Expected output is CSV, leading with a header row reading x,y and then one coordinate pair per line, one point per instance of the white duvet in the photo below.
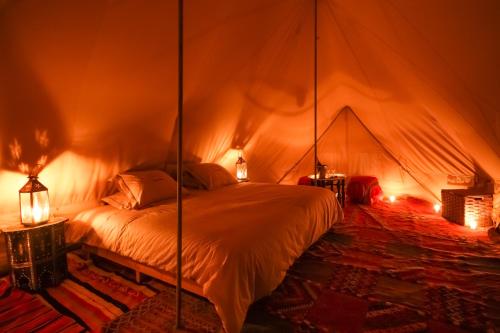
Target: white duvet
x,y
238,241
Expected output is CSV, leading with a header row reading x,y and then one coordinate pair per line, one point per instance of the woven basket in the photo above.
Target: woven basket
x,y
467,207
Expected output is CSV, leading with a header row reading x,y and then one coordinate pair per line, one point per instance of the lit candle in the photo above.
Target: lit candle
x,y
241,167
37,212
437,207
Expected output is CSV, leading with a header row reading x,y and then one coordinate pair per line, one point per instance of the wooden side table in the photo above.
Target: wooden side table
x,y
338,181
37,255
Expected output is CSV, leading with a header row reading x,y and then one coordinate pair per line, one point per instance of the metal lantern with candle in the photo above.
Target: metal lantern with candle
x,y
34,201
241,167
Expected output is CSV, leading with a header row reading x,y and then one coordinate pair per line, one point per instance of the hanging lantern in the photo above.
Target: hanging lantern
x,y
34,202
241,167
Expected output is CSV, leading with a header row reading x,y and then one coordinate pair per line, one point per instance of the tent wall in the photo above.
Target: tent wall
x,y
348,146
90,86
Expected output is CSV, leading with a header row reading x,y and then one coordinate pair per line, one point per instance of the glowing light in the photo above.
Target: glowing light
x,y
437,207
34,202
241,167
471,222
392,198
37,212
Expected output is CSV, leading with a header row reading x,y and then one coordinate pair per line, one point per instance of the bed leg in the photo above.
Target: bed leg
x,y
137,276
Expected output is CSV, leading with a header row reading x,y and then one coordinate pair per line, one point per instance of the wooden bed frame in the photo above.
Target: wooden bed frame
x,y
140,269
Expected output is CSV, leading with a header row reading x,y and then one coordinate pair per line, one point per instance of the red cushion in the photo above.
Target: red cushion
x,y
376,193
305,180
367,180
363,189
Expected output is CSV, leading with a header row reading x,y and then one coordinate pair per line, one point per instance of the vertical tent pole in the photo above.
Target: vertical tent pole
x,y
178,317
315,88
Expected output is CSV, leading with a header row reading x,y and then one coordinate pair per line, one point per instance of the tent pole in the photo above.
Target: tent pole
x,y
315,89
180,104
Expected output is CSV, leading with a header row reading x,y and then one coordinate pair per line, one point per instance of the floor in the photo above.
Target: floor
x,y
387,268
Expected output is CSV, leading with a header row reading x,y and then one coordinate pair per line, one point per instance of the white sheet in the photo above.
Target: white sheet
x,y
238,241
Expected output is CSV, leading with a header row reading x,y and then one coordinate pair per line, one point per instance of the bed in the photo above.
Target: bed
x,y
238,241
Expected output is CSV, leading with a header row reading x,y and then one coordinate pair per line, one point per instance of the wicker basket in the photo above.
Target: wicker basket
x,y
467,207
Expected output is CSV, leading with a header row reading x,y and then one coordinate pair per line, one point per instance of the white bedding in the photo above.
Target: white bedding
x,y
238,241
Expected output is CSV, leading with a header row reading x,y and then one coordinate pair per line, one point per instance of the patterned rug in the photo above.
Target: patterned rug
x,y
99,297
386,268
389,268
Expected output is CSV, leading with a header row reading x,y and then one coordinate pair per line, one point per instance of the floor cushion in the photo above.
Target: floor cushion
x,y
305,180
363,189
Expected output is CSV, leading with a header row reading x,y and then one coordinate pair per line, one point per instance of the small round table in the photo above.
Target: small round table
x,y
335,180
37,255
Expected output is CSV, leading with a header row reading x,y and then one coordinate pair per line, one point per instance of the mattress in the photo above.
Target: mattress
x,y
238,241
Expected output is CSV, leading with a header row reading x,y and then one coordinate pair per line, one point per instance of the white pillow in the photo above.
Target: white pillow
x,y
119,200
208,176
187,179
147,187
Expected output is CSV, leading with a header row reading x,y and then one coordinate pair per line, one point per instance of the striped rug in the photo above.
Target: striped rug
x,y
87,300
22,312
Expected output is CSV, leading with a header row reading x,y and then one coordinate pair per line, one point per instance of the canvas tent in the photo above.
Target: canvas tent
x,y
89,88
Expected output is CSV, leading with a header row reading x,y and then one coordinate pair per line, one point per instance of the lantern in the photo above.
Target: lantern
x,y
241,167
34,202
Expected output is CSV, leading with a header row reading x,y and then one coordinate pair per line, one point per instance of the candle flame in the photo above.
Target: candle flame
x,y
37,212
437,207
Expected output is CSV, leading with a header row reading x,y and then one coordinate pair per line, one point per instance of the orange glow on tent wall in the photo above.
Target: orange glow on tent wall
x,y
34,202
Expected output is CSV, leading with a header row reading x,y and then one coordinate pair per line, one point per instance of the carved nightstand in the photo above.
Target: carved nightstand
x,y
37,255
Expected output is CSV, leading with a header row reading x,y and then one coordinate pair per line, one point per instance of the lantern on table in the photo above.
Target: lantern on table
x,y
34,202
241,167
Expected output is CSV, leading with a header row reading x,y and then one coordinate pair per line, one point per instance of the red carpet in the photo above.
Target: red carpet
x,y
388,268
